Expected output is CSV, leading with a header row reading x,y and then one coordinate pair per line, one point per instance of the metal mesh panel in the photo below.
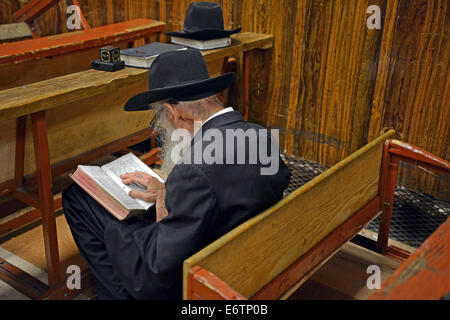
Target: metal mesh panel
x,y
415,215
302,171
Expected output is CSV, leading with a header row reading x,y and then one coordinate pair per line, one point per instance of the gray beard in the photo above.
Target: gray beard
x,y
165,129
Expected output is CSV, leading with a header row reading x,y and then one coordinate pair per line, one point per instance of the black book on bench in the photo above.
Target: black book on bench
x,y
143,56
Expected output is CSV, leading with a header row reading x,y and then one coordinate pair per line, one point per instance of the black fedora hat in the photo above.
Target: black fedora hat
x,y
203,21
180,75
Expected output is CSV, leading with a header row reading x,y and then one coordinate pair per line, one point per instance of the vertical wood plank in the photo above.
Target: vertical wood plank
x,y
412,91
336,80
294,117
270,71
384,66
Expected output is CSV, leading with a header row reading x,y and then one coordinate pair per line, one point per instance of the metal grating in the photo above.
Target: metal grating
x,y
415,215
302,171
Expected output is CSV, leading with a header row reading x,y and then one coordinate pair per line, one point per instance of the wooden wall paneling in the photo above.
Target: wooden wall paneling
x,y
413,96
162,9
175,11
383,70
228,10
109,11
294,117
95,12
119,10
337,78
270,70
54,20
7,9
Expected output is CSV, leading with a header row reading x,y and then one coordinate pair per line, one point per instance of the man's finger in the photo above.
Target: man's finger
x,y
126,175
137,176
132,177
144,176
139,195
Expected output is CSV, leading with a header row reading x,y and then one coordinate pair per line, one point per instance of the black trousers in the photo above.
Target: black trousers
x,y
87,220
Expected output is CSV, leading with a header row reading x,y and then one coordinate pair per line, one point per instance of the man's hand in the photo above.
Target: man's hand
x,y
152,185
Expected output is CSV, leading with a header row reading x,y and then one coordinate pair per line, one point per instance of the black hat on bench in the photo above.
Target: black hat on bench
x,y
180,75
203,21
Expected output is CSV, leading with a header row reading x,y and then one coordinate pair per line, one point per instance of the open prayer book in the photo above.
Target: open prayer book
x,y
106,187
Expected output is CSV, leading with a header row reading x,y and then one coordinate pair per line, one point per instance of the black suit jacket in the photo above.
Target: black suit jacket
x,y
203,202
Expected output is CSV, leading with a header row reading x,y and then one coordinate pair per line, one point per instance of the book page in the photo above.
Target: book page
x,y
130,163
109,185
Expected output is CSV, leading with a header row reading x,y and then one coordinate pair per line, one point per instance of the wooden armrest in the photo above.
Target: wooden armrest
x,y
204,285
151,157
33,9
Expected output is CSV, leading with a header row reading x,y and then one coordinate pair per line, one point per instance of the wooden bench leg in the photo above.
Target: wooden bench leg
x,y
20,150
44,178
246,67
387,203
228,65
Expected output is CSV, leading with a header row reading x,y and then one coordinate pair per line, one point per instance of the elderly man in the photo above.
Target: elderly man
x,y
207,193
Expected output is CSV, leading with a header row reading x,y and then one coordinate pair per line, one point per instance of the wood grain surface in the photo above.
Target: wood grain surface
x,y
329,84
262,247
85,109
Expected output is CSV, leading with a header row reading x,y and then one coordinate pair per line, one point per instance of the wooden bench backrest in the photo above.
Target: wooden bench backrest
x,y
254,253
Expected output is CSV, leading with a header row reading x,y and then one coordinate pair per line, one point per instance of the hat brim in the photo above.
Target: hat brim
x,y
206,34
185,92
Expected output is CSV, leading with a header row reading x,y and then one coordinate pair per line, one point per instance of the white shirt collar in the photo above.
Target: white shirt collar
x,y
229,109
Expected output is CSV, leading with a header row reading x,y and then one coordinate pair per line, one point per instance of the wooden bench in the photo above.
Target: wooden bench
x,y
426,273
271,255
34,60
75,119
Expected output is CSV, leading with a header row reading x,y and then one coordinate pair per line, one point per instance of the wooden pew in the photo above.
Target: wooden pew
x,y
426,273
34,60
74,119
271,255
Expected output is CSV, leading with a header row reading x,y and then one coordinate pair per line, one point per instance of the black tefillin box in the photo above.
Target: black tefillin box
x,y
109,60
